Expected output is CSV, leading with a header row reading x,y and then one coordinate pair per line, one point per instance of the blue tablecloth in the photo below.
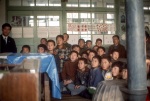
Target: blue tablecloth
x,y
47,64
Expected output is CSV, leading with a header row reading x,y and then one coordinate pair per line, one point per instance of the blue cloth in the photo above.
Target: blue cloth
x,y
95,76
47,64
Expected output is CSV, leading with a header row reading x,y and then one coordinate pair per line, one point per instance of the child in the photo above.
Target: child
x,y
84,55
61,50
106,70
117,69
81,43
43,41
101,51
76,48
92,53
70,68
42,48
82,76
124,73
115,55
95,48
98,42
89,44
66,38
51,47
25,49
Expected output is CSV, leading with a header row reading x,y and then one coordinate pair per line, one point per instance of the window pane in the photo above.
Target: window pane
x,y
28,2
72,3
54,2
103,3
14,2
16,20
84,3
41,2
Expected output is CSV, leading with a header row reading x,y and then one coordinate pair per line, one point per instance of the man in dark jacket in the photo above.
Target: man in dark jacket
x,y
7,44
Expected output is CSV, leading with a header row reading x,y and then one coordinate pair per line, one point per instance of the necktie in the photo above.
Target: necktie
x,y
5,40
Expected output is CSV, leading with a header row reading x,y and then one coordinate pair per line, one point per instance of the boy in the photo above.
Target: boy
x,y
25,49
101,51
42,48
106,70
98,42
115,55
61,50
125,72
70,68
43,41
88,44
81,43
92,53
66,38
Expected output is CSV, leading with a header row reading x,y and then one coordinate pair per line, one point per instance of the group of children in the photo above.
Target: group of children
x,y
81,66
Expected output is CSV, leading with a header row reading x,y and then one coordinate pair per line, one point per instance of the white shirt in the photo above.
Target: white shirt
x,y
5,38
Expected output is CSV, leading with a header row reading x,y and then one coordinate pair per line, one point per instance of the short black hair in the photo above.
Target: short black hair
x,y
66,34
51,41
106,57
44,39
60,36
114,50
116,36
75,46
97,57
118,64
98,40
85,52
88,41
101,48
83,59
43,46
81,40
26,46
146,35
74,52
6,25
93,51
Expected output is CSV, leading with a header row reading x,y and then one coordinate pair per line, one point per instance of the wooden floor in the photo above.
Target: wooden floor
x,y
71,98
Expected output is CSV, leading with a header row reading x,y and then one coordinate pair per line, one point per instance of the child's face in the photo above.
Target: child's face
x,y
89,44
105,64
95,48
81,44
77,49
65,38
124,74
50,46
43,41
95,63
73,57
115,71
25,50
60,41
81,65
91,55
115,55
41,50
84,56
115,40
100,52
99,43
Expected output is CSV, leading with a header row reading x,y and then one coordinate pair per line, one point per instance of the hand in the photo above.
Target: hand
x,y
76,87
69,81
65,82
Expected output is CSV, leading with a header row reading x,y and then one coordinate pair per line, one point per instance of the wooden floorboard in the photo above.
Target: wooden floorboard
x,y
71,98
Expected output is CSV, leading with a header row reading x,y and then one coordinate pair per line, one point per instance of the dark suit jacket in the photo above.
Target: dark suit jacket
x,y
9,47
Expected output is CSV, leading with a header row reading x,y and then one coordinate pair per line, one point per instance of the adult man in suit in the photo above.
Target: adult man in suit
x,y
7,44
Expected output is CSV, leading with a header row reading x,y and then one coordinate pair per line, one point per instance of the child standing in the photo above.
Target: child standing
x,y
81,43
81,81
69,70
89,44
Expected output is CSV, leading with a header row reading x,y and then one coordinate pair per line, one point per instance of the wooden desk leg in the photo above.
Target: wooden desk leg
x,y
46,88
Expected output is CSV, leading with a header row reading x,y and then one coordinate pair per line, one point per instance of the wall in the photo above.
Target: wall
x,y
2,12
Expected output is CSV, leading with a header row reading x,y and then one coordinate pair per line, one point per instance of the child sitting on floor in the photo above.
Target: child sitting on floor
x,y
81,81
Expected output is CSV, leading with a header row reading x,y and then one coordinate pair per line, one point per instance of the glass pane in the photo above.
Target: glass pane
x,y
41,2
54,2
14,2
16,20
53,21
86,37
28,2
72,3
28,21
103,3
84,3
41,21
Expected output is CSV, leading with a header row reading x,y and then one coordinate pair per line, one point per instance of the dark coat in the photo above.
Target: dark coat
x,y
82,77
9,47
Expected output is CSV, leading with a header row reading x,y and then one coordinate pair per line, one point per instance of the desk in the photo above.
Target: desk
x,y
47,65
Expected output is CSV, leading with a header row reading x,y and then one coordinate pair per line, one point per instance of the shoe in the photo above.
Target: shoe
x,y
65,92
